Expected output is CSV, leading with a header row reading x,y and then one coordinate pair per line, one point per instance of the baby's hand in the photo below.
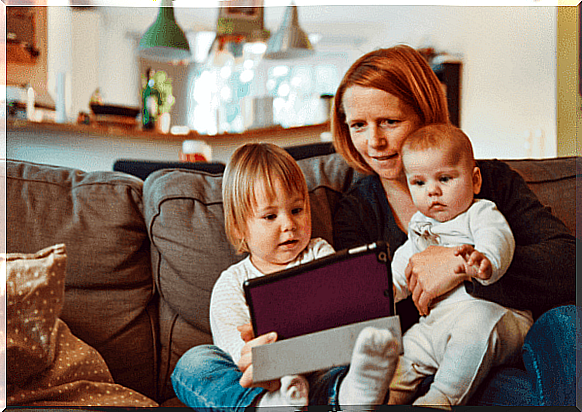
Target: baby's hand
x,y
477,263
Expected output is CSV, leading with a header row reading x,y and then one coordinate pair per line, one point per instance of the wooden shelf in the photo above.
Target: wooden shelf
x,y
121,131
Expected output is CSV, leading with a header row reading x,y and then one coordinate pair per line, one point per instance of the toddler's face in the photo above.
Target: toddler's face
x,y
440,187
279,229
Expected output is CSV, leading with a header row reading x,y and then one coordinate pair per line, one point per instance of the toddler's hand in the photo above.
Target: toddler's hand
x,y
246,332
245,363
477,263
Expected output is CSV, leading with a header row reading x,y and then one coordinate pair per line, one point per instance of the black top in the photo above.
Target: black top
x,y
542,274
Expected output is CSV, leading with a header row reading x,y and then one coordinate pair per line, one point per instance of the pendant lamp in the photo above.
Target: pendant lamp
x,y
290,41
164,40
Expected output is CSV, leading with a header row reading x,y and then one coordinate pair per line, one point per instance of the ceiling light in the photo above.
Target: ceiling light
x,y
164,40
290,41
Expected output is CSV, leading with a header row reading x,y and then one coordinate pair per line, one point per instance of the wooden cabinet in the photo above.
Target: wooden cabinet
x,y
449,73
21,29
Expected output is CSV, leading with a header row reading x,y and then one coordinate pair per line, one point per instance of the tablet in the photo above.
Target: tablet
x,y
349,286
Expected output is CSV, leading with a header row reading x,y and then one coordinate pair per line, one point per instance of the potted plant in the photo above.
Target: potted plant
x,y
157,100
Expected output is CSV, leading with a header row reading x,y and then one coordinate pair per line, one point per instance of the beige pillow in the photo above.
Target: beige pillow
x,y
46,364
35,290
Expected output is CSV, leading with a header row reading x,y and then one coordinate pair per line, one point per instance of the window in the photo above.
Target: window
x,y
233,88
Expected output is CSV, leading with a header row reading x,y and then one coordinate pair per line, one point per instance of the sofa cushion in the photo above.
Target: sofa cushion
x,y
98,216
184,217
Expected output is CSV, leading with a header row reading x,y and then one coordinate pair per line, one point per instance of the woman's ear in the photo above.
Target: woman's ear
x,y
477,180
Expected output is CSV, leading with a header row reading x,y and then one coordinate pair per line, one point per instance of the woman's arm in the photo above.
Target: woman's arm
x,y
542,274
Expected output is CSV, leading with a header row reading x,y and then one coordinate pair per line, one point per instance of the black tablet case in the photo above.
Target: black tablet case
x,y
353,285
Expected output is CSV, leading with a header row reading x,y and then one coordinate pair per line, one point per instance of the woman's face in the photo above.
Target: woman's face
x,y
379,122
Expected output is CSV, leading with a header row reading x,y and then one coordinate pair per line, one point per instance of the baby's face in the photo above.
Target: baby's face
x,y
440,187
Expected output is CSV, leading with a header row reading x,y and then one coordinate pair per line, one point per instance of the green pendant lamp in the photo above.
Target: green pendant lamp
x,y
290,41
164,40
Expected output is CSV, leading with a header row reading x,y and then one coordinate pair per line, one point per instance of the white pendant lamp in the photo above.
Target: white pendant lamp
x,y
290,41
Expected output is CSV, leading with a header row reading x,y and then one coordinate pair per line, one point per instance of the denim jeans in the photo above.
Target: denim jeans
x,y
548,374
549,355
206,378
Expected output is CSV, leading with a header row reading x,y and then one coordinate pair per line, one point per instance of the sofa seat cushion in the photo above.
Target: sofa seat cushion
x,y
108,287
185,220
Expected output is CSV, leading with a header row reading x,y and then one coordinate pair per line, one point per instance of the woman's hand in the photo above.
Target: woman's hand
x,y
245,363
432,273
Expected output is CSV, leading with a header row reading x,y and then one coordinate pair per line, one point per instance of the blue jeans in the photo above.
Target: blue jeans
x,y
207,378
548,376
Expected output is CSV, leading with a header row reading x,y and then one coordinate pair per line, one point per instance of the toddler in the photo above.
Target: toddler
x,y
462,337
268,216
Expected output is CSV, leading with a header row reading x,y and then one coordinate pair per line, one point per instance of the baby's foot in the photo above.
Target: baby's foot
x,y
374,359
293,393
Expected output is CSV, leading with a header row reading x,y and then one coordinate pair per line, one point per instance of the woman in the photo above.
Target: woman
x,y
386,95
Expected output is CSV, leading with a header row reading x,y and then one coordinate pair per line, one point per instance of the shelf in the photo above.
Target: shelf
x,y
121,131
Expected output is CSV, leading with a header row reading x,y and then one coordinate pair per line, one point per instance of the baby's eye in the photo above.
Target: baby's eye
x,y
418,183
445,179
270,216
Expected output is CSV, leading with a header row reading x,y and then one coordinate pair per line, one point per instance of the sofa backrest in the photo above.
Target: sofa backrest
x,y
554,182
108,285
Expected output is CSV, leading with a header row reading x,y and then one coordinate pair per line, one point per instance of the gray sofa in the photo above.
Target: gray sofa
x,y
142,257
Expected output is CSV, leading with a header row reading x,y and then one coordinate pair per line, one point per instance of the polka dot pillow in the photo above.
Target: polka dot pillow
x,y
46,364
35,290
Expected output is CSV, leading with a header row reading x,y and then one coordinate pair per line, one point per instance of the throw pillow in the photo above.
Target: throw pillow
x,y
35,290
46,364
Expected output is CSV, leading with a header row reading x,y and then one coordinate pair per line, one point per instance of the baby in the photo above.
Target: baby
x,y
462,337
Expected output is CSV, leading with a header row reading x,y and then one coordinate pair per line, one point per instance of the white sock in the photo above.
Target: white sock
x,y
373,363
294,392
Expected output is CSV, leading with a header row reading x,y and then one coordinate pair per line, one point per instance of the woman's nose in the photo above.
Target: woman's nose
x,y
376,137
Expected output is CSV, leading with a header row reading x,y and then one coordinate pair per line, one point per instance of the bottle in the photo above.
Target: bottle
x,y
30,103
149,102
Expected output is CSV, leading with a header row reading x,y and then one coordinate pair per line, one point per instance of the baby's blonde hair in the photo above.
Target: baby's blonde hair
x,y
443,136
250,165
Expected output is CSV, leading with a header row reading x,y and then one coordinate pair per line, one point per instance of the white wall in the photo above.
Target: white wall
x,y
508,101
509,54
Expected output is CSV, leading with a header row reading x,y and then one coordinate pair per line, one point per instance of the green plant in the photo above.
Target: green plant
x,y
163,85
